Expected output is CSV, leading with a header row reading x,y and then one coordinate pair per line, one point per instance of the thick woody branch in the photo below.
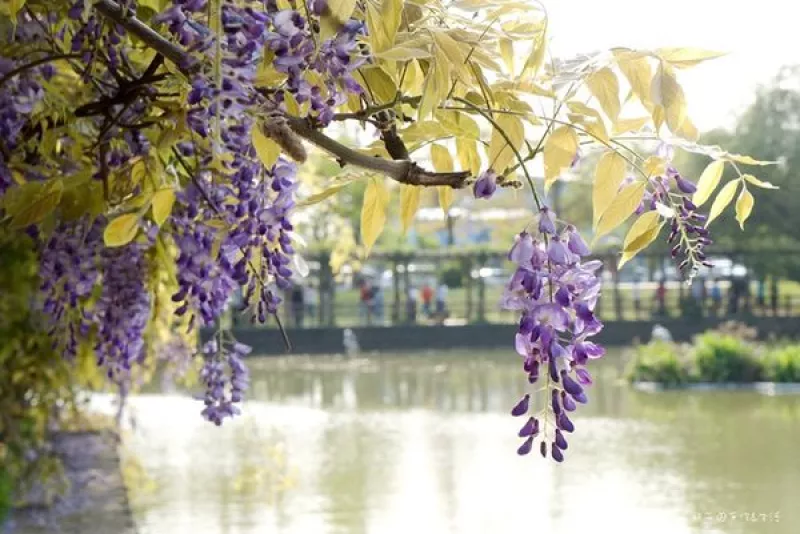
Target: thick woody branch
x,y
403,171
113,11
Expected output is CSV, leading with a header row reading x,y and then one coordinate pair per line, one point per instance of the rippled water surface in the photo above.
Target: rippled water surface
x,y
424,444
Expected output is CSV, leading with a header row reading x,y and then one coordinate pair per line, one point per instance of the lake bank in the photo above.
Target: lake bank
x,y
96,500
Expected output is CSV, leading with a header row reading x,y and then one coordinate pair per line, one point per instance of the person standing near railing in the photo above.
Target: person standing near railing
x,y
310,298
411,305
365,305
427,299
298,307
441,302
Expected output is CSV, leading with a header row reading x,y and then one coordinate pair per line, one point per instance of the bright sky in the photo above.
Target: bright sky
x,y
759,36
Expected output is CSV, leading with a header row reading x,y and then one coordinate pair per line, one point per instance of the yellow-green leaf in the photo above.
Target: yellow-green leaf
x,y
378,82
559,152
687,57
642,225
409,203
638,72
708,182
723,199
322,195
36,201
14,6
507,53
391,12
468,157
334,15
667,93
747,160
414,78
536,58
373,212
435,86
687,130
445,197
744,206
454,54
402,53
623,205
604,86
500,152
441,158
609,174
629,125
161,204
639,243
266,149
121,230
758,183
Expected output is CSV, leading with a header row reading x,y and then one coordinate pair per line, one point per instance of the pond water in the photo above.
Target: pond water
x,y
396,444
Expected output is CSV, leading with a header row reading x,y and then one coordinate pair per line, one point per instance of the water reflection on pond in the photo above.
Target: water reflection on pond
x,y
398,444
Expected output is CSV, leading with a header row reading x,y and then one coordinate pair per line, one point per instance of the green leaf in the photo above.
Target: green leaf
x,y
623,205
723,199
758,183
441,158
391,13
744,206
121,230
608,176
559,152
468,157
14,7
409,204
373,212
604,86
641,233
334,15
708,182
536,58
687,57
266,149
435,85
379,83
34,202
507,53
500,153
639,74
401,53
667,93
747,160
629,125
161,204
454,54
322,195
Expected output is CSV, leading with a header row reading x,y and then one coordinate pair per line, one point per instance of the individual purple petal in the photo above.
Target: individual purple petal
x,y
558,456
521,408
564,423
685,185
570,386
576,244
554,401
530,428
567,402
560,441
522,250
583,376
557,252
526,447
485,185
543,449
546,224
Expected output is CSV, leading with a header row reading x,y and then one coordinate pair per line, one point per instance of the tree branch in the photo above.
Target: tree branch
x,y
113,11
403,171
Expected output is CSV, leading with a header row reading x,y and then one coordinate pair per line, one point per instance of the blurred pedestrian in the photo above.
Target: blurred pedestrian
x,y
427,299
716,298
661,298
365,304
637,298
377,302
441,301
298,307
411,304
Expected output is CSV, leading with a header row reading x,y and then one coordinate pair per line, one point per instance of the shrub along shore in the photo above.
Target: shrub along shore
x,y
728,355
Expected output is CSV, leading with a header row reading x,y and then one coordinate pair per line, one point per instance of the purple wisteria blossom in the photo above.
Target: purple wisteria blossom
x,y
555,293
485,185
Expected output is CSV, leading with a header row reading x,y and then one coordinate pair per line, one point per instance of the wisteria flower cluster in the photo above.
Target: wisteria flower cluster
x,y
555,293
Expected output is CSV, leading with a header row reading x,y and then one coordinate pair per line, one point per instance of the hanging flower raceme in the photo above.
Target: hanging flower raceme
x,y
225,377
555,294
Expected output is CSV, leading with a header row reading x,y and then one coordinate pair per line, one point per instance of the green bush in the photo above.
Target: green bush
x,y
724,358
658,361
782,364
453,275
